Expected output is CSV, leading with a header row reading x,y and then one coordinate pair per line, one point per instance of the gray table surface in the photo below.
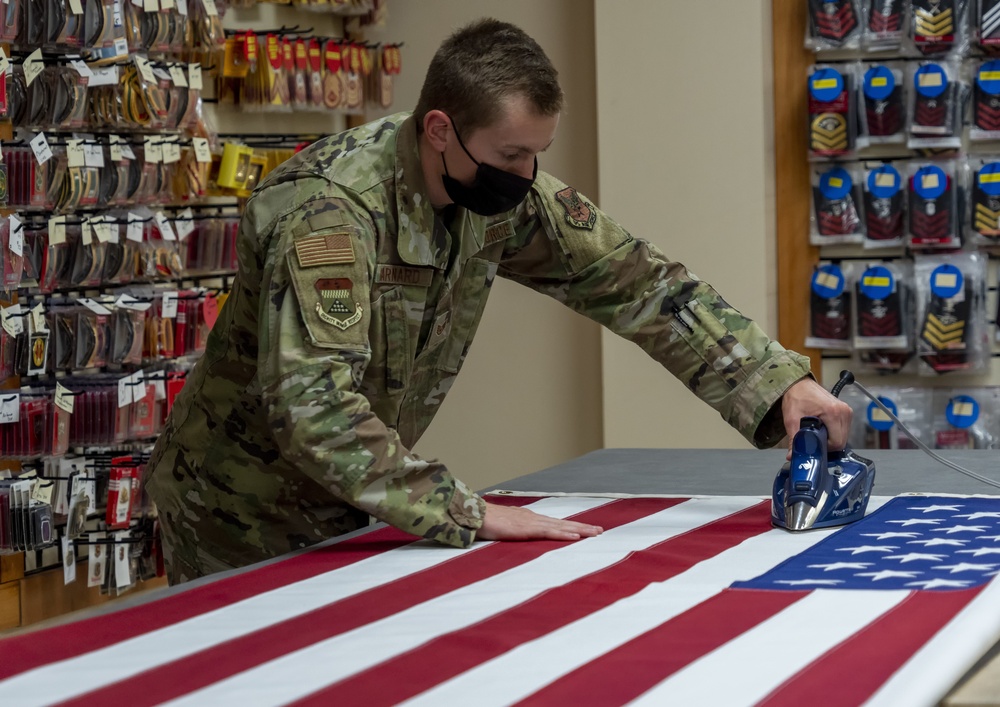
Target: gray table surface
x,y
736,472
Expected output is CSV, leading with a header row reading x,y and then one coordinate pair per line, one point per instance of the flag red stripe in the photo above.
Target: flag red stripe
x,y
660,652
34,649
205,667
879,650
438,660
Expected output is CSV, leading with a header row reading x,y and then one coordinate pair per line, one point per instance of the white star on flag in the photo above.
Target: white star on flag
x,y
912,556
887,536
928,509
937,541
965,567
980,514
857,550
795,582
981,551
917,521
843,566
994,538
960,529
935,583
886,574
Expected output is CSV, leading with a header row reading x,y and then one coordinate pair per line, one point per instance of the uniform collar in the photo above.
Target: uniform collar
x,y
422,239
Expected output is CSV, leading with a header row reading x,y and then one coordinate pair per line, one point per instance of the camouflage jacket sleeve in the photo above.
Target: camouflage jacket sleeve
x,y
567,248
311,366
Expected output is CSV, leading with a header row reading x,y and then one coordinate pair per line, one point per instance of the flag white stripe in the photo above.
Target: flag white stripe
x,y
749,667
930,673
539,662
75,676
305,671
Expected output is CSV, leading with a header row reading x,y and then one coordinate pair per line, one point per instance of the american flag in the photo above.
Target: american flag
x,y
681,601
330,249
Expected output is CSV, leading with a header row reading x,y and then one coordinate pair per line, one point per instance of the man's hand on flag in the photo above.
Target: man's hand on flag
x,y
509,523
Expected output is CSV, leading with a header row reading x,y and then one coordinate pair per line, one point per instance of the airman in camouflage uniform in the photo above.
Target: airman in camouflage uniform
x,y
352,313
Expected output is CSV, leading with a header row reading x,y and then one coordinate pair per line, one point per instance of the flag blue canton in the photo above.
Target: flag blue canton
x,y
912,542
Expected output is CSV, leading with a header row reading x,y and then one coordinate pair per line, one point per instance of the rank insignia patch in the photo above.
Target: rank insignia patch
x,y
336,306
579,213
329,249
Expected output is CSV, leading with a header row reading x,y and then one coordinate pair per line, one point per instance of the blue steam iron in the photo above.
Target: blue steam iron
x,y
819,488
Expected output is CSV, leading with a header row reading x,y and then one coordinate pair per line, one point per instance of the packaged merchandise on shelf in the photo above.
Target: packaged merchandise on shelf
x,y
871,428
833,24
939,26
951,313
882,28
984,206
882,105
935,115
884,205
932,200
832,115
883,307
830,308
836,215
986,102
966,418
987,24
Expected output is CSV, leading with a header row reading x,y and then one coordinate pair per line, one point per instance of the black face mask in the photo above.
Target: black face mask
x,y
493,190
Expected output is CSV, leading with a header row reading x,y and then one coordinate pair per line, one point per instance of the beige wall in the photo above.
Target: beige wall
x,y
685,144
529,396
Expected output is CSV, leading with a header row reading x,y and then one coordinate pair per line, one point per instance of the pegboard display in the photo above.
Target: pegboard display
x,y
133,132
903,141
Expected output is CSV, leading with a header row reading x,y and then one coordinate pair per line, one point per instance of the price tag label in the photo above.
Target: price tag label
x,y
76,7
133,230
16,238
82,69
177,75
167,4
150,5
95,307
57,230
182,7
115,147
64,398
160,389
40,146
12,321
106,76
138,386
184,223
121,45
94,155
129,302
33,66
194,76
166,230
153,148
168,310
201,150
171,152
145,69
42,491
210,9
124,391
4,62
75,155
106,231
38,318
10,407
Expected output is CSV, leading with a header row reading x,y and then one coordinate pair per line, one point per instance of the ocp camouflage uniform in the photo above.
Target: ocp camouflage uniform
x,y
351,315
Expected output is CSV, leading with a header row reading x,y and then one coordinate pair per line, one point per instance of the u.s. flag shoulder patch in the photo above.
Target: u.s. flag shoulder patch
x,y
334,248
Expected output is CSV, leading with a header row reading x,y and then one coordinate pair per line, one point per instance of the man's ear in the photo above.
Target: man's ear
x,y
436,127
